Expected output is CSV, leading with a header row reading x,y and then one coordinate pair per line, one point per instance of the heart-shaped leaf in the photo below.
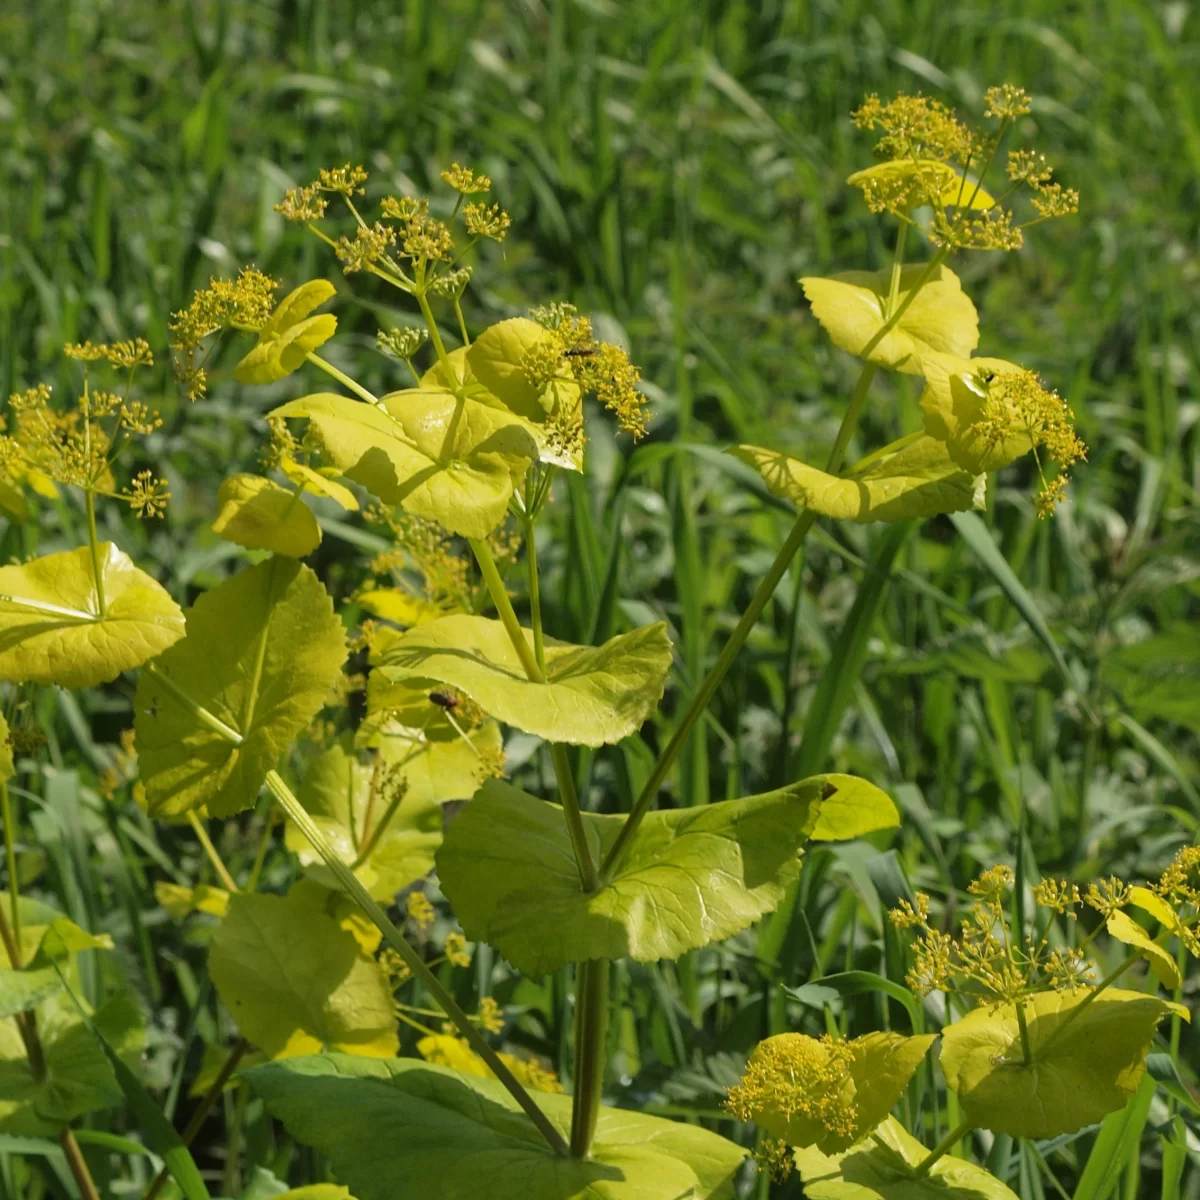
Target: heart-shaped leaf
x,y
474,1140
917,480
882,1165
51,628
593,695
852,308
449,459
286,340
261,515
297,981
1088,1052
218,710
690,876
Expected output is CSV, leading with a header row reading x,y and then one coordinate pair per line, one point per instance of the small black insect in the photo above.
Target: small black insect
x,y
582,352
449,703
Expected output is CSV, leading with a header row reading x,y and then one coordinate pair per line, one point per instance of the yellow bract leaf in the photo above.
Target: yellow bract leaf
x,y
853,309
286,340
180,902
319,484
261,515
51,630
918,181
1125,929
392,604
917,480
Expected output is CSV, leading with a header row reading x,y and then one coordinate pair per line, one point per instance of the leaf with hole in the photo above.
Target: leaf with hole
x,y
51,627
218,710
592,696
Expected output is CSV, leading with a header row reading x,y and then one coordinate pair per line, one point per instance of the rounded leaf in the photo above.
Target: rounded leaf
x,y
297,981
690,876
593,695
850,808
919,480
261,515
219,709
288,337
474,1140
852,308
1125,929
51,629
1088,1054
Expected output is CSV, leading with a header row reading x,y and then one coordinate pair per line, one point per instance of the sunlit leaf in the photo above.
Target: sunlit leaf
x,y
593,695
918,480
852,308
451,460
319,483
691,876
882,1165
851,807
285,342
261,515
1125,929
361,1113
217,711
297,982
928,178
180,902
395,604
1088,1054
953,403
51,630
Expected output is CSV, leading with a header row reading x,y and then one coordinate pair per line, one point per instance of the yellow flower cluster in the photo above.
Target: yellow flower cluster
x,y
599,368
915,127
794,1075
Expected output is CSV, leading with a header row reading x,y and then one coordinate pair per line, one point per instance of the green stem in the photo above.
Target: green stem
x,y
415,963
89,500
462,321
78,1164
1026,1049
211,850
588,876
10,854
591,1028
435,333
535,593
942,1148
766,588
196,710
343,378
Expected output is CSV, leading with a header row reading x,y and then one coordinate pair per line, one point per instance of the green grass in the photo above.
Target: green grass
x,y
673,166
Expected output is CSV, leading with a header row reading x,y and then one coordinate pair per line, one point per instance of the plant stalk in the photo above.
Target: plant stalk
x,y
415,963
943,1148
591,1029
344,379
211,850
78,1164
89,501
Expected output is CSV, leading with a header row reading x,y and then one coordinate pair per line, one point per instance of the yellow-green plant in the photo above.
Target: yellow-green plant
x,y
464,462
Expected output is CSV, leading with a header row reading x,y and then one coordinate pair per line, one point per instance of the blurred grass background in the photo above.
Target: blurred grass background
x,y
673,167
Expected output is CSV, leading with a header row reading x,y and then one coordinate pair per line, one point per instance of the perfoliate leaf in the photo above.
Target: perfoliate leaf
x,y
341,795
852,308
691,876
218,710
1088,1055
918,480
78,1077
297,982
882,1166
451,460
180,902
851,807
261,515
1125,929
394,604
593,695
845,1102
362,1114
927,179
51,630
953,403
319,484
286,340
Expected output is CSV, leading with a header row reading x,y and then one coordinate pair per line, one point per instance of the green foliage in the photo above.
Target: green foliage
x,y
261,515
690,876
220,708
362,1113
297,981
